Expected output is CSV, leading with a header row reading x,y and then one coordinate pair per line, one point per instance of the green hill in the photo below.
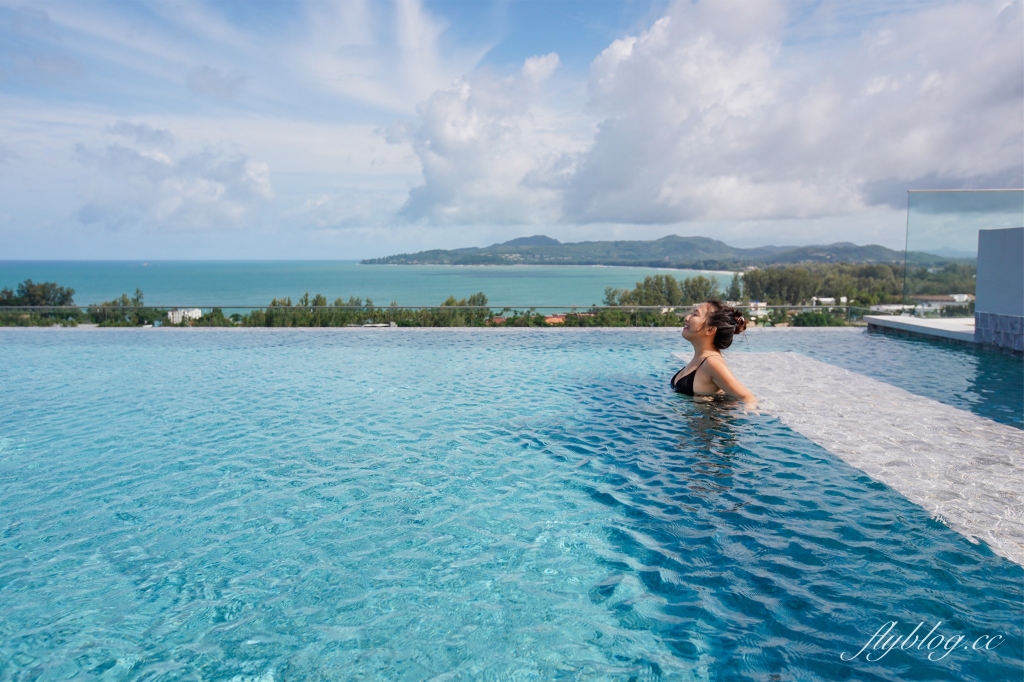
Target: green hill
x,y
699,253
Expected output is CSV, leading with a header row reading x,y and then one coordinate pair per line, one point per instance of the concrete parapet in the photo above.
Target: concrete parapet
x,y
999,316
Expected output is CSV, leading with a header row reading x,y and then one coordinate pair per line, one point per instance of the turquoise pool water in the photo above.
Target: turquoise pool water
x,y
493,504
986,382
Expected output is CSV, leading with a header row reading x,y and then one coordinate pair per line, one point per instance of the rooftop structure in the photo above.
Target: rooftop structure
x,y
999,311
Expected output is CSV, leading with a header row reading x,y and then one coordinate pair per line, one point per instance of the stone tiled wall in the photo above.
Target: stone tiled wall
x,y
1003,331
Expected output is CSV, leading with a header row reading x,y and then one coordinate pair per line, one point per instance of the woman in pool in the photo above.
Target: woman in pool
x,y
710,329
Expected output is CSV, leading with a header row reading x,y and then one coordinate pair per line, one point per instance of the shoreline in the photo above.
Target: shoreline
x,y
548,265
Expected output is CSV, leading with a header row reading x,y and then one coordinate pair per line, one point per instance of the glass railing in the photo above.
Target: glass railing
x,y
942,245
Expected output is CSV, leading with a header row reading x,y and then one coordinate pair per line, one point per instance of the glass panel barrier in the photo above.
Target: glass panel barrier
x,y
942,245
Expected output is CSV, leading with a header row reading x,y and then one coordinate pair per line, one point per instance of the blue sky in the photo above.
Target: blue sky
x,y
355,129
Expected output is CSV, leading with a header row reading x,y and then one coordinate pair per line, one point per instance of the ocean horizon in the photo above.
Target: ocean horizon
x,y
237,283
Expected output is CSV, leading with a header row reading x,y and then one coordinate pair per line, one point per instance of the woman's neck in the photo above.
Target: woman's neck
x,y
703,348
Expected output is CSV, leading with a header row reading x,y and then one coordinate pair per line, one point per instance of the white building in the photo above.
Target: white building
x,y
934,303
818,300
178,316
757,309
891,308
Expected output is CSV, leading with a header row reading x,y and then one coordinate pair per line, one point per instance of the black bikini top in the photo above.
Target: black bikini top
x,y
685,384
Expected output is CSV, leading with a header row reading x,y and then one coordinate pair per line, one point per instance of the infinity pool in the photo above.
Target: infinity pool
x,y
492,504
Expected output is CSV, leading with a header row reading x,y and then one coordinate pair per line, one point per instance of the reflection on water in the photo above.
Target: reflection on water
x,y
998,383
707,438
755,553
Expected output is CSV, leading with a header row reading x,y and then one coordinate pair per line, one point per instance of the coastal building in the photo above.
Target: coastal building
x,y
829,300
756,309
177,316
935,303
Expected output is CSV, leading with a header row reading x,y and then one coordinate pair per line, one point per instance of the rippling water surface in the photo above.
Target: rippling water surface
x,y
986,382
305,504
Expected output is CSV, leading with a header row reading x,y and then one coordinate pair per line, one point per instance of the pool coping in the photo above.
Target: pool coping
x,y
949,329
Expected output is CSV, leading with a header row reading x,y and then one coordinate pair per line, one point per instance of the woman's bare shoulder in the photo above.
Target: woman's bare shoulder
x,y
717,362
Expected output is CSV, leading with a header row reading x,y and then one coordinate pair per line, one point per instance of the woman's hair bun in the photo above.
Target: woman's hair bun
x,y
727,320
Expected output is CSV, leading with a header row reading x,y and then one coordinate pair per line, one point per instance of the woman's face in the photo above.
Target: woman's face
x,y
695,322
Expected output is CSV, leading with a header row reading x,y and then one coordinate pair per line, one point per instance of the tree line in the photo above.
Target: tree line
x,y
666,290
29,293
862,285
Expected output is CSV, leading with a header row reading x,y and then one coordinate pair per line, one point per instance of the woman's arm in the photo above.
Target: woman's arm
x,y
724,379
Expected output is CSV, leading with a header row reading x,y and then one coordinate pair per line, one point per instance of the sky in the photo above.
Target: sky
x,y
342,130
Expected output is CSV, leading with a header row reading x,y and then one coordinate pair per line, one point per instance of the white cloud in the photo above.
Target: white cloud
x,y
710,115
715,113
353,210
479,142
356,51
761,115
540,68
208,81
141,134
141,182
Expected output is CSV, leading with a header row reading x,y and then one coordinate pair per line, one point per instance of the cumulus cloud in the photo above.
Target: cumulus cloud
x,y
208,81
720,112
709,115
479,141
141,181
537,69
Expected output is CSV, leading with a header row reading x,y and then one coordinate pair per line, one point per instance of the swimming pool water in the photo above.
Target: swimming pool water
x,y
316,504
983,381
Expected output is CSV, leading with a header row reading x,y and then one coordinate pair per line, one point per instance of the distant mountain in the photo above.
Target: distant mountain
x,y
535,240
698,253
955,254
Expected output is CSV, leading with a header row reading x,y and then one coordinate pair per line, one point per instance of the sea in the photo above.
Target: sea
x,y
254,283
